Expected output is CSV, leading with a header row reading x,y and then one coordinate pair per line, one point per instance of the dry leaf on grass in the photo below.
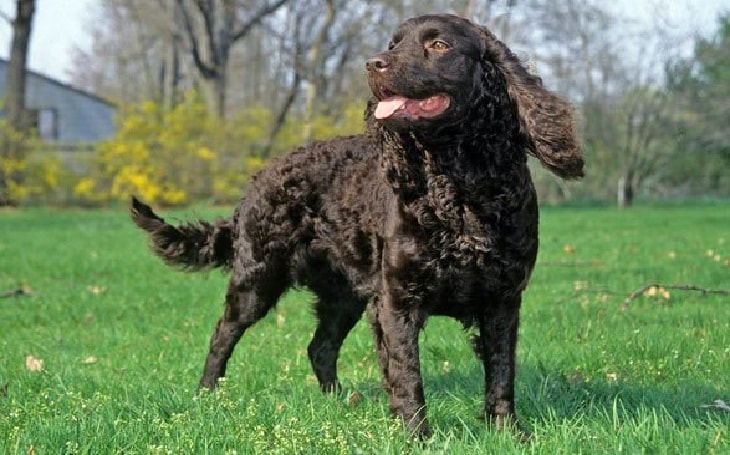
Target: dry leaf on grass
x,y
354,399
96,290
33,363
657,291
89,360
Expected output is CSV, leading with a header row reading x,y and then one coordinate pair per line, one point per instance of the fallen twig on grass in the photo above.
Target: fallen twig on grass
x,y
570,264
678,287
717,404
17,293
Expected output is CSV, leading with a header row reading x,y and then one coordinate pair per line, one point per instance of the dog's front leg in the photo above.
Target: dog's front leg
x,y
396,332
498,337
397,316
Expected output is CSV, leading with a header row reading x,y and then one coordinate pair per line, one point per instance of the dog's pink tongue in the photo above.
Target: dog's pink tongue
x,y
413,109
387,107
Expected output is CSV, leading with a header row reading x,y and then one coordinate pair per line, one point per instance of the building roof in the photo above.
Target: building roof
x,y
63,85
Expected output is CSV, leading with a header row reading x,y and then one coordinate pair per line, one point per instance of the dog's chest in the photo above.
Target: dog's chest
x,y
464,249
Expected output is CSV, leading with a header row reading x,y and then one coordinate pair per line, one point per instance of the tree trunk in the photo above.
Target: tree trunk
x,y
219,88
15,85
313,60
170,75
625,190
469,7
15,94
281,116
214,90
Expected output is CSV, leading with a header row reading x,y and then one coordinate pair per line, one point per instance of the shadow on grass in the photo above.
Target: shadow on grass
x,y
547,395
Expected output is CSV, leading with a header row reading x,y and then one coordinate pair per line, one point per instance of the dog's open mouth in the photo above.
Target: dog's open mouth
x,y
413,109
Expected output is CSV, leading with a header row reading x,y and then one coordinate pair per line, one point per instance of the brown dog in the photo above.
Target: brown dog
x,y
430,212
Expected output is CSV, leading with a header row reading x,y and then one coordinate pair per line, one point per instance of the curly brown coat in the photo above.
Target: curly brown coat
x,y
430,212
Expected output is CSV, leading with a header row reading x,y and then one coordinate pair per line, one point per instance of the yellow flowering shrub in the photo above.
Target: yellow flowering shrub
x,y
162,156
176,156
29,172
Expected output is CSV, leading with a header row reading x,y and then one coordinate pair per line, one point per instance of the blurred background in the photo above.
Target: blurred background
x,y
180,101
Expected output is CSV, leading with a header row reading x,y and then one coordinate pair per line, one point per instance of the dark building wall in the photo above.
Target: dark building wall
x,y
65,114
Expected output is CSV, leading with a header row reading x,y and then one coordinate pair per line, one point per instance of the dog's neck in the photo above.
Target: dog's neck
x,y
453,183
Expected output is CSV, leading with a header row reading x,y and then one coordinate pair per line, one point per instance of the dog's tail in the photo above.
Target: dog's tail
x,y
192,246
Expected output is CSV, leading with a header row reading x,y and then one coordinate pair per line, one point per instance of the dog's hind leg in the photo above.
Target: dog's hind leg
x,y
337,309
245,305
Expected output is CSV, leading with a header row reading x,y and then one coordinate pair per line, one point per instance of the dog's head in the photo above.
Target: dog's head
x,y
443,73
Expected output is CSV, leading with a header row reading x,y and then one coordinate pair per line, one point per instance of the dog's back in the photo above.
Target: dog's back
x,y
295,210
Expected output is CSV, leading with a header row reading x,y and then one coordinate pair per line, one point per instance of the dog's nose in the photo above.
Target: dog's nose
x,y
377,63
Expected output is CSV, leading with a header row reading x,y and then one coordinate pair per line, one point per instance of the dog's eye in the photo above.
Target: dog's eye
x,y
439,45
391,45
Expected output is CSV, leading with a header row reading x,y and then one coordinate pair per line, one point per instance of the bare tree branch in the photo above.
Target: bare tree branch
x,y
206,10
593,263
258,17
206,71
292,93
678,287
219,21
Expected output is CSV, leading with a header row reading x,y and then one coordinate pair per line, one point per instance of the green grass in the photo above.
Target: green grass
x,y
123,338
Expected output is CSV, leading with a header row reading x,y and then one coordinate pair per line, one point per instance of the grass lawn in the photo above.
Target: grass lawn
x,y
105,355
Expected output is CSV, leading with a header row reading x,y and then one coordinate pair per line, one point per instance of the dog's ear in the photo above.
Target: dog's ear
x,y
546,120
